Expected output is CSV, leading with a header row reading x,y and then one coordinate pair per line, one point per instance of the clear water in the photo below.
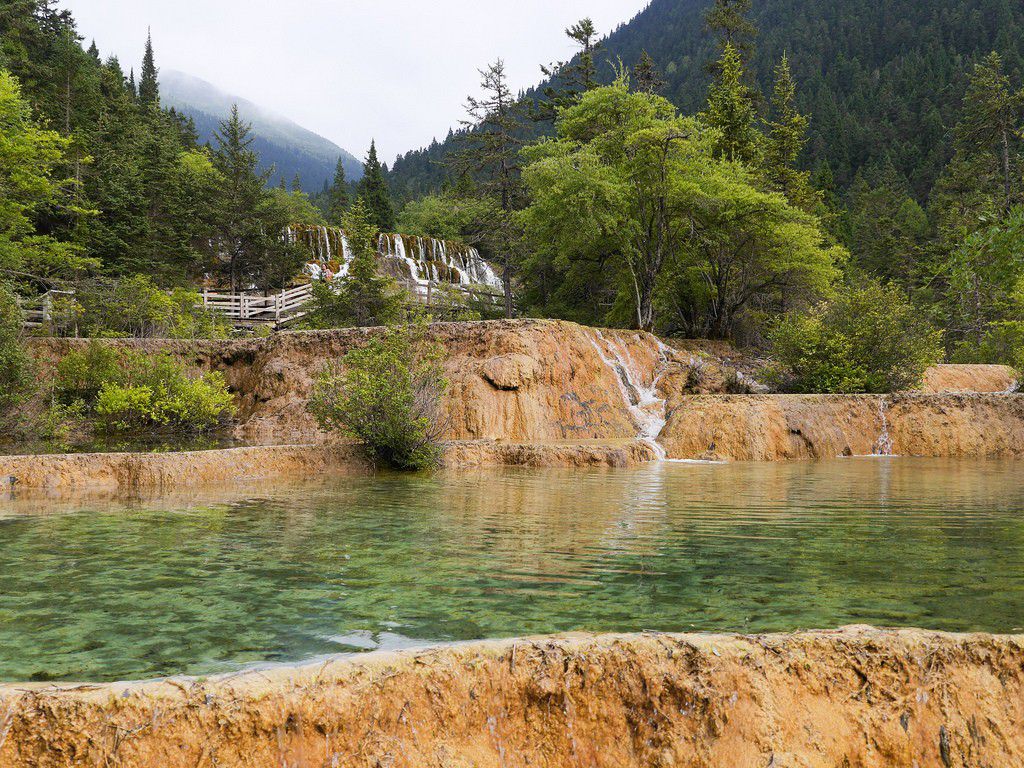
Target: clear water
x,y
132,590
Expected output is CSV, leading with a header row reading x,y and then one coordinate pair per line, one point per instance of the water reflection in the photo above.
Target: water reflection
x,y
110,589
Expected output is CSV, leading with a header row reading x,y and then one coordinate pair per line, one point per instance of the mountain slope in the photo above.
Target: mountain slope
x,y
289,147
881,80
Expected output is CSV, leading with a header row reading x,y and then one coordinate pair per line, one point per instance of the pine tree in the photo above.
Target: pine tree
x,y
991,121
370,297
787,135
373,191
731,110
570,79
646,78
94,51
131,84
729,19
337,195
242,196
149,88
297,182
490,153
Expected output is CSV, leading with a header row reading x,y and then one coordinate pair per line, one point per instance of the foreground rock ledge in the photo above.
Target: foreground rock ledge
x,y
852,697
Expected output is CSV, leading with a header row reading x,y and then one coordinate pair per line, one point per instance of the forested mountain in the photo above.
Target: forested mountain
x,y
282,144
882,81
100,179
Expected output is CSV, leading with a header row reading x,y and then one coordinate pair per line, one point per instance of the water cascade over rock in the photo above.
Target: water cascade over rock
x,y
421,262
646,408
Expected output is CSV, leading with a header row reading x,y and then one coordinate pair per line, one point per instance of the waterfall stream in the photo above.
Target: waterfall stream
x,y
883,446
645,407
424,260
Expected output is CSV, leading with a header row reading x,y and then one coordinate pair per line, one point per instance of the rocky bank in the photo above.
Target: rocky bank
x,y
564,392
856,697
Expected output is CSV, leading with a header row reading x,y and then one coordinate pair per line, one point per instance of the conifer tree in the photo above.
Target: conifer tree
x,y
991,121
94,51
242,196
787,135
364,297
373,191
337,195
729,19
490,153
297,182
571,78
646,78
730,109
131,83
149,88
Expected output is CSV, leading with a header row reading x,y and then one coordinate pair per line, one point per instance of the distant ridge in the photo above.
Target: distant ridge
x,y
281,142
882,81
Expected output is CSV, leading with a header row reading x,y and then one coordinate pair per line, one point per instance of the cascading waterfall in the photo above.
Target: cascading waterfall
x,y
883,446
645,407
424,260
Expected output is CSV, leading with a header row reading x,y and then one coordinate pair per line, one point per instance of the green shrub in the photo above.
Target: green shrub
x,y
125,390
387,395
867,339
81,375
135,306
15,363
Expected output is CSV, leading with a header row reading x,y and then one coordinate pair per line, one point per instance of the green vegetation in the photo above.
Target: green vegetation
x,y
15,365
756,159
491,155
99,181
30,186
373,191
122,390
868,338
387,394
134,306
882,82
630,208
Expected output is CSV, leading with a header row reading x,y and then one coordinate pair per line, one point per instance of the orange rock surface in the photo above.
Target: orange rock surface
x,y
857,697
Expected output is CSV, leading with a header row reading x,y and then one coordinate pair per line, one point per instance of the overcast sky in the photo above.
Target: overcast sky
x,y
396,70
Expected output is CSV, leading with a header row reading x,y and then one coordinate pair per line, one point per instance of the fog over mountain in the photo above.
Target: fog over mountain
x,y
281,142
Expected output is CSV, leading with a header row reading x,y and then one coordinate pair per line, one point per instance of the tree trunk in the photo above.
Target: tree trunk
x,y
1007,181
645,304
506,284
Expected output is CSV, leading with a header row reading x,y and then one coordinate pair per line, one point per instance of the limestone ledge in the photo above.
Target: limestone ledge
x,y
163,472
857,696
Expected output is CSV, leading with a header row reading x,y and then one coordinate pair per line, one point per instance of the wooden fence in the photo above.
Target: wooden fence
x,y
39,311
249,309
278,309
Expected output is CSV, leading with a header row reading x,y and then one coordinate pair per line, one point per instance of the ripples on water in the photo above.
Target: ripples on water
x,y
129,590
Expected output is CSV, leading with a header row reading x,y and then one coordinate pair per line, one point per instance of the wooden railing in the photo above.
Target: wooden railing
x,y
277,309
39,311
249,309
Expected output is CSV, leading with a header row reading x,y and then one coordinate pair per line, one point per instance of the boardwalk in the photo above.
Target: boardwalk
x,y
247,309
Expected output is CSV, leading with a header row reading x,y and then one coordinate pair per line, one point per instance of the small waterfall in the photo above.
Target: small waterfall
x,y
883,446
645,407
